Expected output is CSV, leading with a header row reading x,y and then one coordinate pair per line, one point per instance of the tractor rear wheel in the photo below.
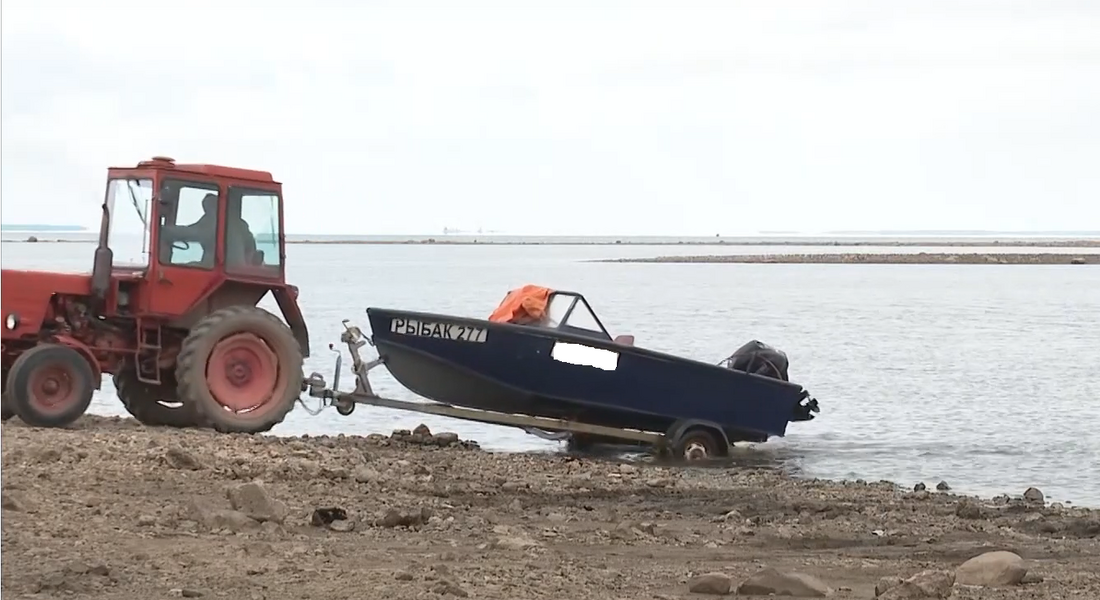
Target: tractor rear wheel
x,y
240,368
50,386
6,411
149,403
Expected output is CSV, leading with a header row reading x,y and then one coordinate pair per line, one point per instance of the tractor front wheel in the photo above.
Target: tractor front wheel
x,y
153,405
240,368
50,385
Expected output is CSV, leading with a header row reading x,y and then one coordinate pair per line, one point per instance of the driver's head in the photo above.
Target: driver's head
x,y
210,204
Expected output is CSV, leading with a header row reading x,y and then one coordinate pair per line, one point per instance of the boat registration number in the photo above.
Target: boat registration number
x,y
443,331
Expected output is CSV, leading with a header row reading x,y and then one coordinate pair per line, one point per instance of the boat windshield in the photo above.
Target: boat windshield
x,y
571,312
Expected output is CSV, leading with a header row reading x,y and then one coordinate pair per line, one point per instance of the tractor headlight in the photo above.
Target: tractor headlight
x,y
12,321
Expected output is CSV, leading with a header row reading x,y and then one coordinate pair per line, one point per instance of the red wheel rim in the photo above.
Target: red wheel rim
x,y
243,374
53,388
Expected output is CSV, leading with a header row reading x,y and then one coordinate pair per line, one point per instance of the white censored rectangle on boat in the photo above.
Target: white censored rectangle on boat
x,y
443,331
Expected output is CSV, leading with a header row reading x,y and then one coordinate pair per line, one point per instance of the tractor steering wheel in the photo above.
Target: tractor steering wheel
x,y
176,244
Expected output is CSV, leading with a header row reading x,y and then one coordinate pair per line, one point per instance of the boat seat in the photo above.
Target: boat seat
x,y
625,340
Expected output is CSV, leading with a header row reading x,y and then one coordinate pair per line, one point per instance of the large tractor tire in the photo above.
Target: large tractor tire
x,y
6,411
240,368
50,385
154,405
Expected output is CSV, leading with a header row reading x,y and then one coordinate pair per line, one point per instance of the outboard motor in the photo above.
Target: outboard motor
x,y
760,358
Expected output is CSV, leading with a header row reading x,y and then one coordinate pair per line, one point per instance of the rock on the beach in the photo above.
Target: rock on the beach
x,y
926,584
513,538
178,458
968,509
365,474
446,438
992,569
212,517
12,501
253,500
710,583
887,583
405,518
771,581
1034,496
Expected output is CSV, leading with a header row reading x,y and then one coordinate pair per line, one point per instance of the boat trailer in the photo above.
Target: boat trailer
x,y
543,427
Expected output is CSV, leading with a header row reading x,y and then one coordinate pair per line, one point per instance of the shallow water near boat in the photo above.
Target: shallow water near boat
x,y
978,375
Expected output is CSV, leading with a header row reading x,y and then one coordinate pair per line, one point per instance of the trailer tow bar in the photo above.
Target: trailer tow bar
x,y
344,402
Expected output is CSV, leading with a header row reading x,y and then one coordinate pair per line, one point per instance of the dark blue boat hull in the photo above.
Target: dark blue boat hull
x,y
509,368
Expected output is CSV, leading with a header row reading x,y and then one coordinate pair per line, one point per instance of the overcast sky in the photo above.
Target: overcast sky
x,y
383,118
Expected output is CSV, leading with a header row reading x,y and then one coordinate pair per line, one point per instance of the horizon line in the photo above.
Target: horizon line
x,y
50,228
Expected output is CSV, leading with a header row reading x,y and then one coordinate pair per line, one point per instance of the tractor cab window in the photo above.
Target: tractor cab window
x,y
252,231
188,224
128,203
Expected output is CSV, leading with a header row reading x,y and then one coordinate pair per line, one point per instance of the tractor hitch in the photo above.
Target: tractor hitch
x,y
344,402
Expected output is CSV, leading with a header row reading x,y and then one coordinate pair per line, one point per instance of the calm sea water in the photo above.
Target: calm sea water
x,y
985,376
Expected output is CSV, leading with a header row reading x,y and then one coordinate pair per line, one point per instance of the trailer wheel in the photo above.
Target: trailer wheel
x,y
241,370
344,407
50,386
698,443
149,403
580,443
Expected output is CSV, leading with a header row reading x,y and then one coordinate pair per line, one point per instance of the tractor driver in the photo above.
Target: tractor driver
x,y
203,231
240,243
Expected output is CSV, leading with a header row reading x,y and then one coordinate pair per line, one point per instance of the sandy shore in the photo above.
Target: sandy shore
x,y
920,258
110,509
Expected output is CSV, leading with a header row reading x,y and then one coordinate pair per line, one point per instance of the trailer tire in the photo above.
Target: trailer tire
x,y
699,443
240,368
580,443
145,402
51,385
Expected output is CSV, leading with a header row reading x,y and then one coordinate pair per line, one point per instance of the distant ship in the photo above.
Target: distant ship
x,y
480,231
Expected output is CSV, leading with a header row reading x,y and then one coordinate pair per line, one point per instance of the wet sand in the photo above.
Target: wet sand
x,y
920,258
111,509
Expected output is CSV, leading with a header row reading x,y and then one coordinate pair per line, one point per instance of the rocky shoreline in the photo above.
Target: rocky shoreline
x,y
111,509
850,258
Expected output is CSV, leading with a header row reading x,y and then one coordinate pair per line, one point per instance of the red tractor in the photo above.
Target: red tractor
x,y
185,253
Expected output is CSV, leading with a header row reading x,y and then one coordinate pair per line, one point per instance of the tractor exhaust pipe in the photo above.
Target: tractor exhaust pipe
x,y
103,261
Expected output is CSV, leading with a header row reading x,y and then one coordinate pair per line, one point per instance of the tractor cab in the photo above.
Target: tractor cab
x,y
172,233
160,215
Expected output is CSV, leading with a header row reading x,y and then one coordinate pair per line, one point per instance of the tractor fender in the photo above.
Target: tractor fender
x,y
682,426
82,348
287,299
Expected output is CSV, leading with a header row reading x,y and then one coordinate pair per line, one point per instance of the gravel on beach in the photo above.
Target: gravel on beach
x,y
112,509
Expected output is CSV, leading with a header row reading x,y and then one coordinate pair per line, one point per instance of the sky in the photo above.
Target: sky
x,y
593,118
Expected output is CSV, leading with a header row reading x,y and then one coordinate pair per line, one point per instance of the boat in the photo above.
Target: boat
x,y
545,353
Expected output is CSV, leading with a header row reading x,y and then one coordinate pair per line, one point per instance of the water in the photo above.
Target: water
x,y
984,376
